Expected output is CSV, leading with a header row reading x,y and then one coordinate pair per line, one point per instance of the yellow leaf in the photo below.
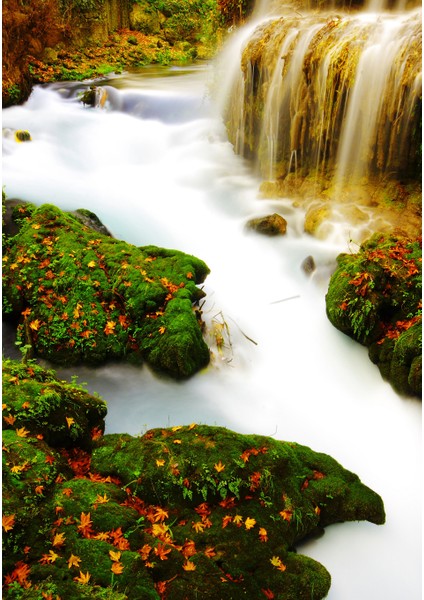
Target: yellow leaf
x,y
219,467
198,527
101,499
115,556
160,462
91,264
83,578
35,325
176,428
277,562
73,561
249,523
59,539
189,566
162,330
22,432
8,522
177,442
70,421
238,520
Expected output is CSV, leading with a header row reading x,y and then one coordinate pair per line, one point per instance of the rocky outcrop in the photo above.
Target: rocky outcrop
x,y
183,512
374,296
78,295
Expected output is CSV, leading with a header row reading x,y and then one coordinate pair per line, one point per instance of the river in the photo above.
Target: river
x,y
156,166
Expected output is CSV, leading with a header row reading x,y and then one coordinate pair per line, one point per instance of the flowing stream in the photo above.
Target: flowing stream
x,y
157,168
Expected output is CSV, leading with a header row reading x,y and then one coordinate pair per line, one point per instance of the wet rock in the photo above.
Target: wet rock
x,y
374,297
193,511
273,224
308,265
91,298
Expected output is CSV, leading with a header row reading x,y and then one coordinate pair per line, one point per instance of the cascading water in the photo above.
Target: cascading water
x,y
157,168
338,91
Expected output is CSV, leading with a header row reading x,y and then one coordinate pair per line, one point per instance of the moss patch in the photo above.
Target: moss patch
x,y
81,296
184,512
374,296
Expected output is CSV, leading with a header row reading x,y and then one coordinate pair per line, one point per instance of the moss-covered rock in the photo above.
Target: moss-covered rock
x,y
79,295
374,296
184,512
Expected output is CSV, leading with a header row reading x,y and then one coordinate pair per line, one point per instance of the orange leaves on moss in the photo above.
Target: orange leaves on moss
x,y
58,540
286,514
20,574
253,452
110,328
263,534
117,568
49,558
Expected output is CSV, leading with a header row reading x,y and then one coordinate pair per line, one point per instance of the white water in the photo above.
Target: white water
x,y
175,182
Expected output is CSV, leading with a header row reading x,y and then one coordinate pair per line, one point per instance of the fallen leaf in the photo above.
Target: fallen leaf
x,y
8,522
189,566
73,561
249,523
83,578
22,432
115,556
219,467
117,568
58,540
70,421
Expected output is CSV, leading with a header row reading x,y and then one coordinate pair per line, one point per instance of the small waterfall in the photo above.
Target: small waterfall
x,y
340,91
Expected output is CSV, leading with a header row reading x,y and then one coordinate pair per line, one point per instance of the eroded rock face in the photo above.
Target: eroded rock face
x,y
188,511
375,298
273,224
78,295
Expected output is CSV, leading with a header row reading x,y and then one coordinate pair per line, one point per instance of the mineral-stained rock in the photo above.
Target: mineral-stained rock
x,y
273,224
79,295
374,296
183,512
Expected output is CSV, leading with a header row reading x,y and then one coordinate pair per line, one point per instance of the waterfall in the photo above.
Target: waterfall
x,y
341,91
156,166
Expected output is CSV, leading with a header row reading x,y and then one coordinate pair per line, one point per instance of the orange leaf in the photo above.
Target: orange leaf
x,y
210,551
145,551
160,462
117,568
238,520
286,514
263,534
161,551
268,594
10,419
160,514
70,421
110,328
39,489
225,520
188,549
25,405
249,523
101,499
8,522
85,525
35,325
49,558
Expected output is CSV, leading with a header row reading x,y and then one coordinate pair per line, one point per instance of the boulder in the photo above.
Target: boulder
x,y
374,296
273,224
183,512
81,296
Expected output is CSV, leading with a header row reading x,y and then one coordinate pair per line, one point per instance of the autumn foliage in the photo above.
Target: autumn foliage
x,y
181,512
375,297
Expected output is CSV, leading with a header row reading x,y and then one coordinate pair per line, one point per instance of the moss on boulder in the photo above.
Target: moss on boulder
x,y
79,295
183,512
374,296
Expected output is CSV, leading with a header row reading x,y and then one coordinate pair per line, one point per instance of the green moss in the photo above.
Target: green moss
x,y
187,512
86,297
374,296
35,399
